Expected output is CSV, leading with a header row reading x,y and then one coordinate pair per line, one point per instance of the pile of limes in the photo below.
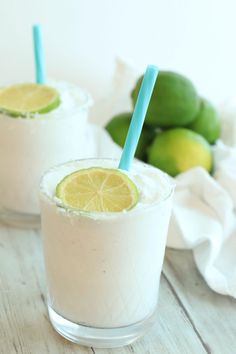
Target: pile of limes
x,y
179,127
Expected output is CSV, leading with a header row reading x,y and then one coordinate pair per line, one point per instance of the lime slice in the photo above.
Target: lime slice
x,y
98,189
23,99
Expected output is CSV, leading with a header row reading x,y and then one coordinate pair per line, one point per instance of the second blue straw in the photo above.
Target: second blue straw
x,y
39,55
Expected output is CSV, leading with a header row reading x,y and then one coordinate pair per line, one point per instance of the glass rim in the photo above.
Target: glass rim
x,y
86,102
98,215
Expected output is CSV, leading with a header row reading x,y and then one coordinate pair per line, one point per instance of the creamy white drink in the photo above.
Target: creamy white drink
x,y
30,145
103,269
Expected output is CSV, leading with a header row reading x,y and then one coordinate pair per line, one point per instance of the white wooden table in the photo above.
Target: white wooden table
x,y
191,318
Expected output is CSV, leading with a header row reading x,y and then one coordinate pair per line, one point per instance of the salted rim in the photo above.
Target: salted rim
x,y
103,215
86,102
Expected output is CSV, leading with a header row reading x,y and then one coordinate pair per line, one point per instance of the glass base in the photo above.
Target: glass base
x,y
19,220
99,337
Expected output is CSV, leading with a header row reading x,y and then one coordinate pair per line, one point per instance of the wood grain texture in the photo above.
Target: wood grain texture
x,y
181,326
213,316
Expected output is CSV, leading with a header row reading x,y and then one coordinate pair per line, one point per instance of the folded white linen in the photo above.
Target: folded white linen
x,y
203,217
204,211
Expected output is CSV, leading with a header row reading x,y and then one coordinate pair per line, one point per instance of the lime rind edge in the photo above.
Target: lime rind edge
x,y
135,191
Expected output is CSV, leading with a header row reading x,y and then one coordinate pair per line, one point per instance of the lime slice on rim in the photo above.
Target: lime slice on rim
x,y
98,190
23,99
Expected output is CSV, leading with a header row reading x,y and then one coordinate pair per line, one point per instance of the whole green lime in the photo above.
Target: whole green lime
x,y
118,128
207,122
179,149
174,101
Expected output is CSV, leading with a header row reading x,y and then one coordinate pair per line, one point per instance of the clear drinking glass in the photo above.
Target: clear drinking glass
x,y
103,269
29,146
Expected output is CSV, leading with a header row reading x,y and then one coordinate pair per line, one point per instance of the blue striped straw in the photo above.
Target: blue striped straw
x,y
39,55
138,117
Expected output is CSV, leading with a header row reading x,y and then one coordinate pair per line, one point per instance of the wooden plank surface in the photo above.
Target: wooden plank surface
x,y
189,317
213,316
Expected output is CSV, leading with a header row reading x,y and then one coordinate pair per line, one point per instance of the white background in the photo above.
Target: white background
x,y
83,37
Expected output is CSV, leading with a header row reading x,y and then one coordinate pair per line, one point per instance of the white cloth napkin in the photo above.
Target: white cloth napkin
x,y
204,211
